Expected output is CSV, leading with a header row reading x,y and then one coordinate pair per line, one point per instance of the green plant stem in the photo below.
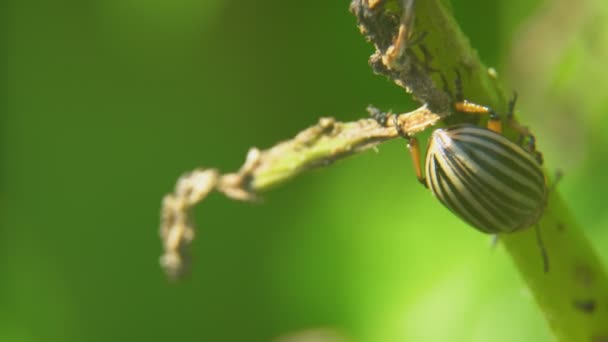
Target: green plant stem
x,y
573,294
320,145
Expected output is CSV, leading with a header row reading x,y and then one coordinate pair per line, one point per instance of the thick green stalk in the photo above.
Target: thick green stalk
x,y
573,294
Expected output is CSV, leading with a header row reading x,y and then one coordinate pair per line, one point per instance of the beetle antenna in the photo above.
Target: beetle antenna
x,y
541,246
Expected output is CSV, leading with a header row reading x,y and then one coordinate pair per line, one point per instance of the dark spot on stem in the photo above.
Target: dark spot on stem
x,y
561,227
585,305
583,275
599,339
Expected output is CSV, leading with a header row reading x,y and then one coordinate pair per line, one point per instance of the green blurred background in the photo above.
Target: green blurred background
x,y
104,103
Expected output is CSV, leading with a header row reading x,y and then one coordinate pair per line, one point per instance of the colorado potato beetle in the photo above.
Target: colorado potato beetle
x,y
495,185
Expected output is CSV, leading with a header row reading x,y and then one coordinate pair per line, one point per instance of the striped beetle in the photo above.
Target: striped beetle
x,y
490,182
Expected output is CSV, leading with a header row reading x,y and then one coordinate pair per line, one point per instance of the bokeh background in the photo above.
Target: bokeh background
x,y
104,103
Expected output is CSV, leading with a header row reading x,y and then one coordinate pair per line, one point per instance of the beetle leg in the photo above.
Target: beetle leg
x,y
464,106
494,123
532,149
523,131
541,246
414,148
512,103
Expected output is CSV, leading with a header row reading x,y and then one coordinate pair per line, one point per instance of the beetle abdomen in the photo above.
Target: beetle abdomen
x,y
487,180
